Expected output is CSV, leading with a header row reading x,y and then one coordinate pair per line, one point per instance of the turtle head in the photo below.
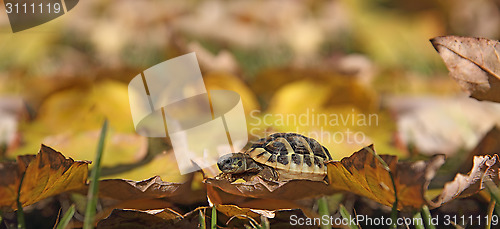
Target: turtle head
x,y
233,163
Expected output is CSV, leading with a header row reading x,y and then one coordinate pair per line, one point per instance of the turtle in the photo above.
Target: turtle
x,y
280,157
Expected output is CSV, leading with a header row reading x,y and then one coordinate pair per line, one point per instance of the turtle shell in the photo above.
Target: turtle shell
x,y
293,155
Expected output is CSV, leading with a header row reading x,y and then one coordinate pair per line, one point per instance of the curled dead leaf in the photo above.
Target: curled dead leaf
x,y
47,174
485,169
153,187
474,63
217,196
120,218
230,215
363,174
151,193
258,187
489,145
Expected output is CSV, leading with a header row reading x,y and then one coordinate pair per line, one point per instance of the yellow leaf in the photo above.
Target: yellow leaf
x,y
225,81
82,108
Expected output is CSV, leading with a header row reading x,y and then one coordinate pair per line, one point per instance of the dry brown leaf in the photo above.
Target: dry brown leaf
x,y
307,206
258,187
233,210
364,175
46,174
485,168
231,215
219,197
278,218
152,193
121,218
150,188
474,63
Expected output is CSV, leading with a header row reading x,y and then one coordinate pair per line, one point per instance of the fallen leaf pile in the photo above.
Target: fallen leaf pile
x,y
151,202
234,216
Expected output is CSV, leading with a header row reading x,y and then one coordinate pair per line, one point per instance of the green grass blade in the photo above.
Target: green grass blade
x,y
214,218
323,210
491,208
94,184
427,217
394,211
21,223
66,218
346,215
202,220
418,218
495,194
265,222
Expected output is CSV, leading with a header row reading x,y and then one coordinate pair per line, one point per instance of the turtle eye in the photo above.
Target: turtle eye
x,y
240,163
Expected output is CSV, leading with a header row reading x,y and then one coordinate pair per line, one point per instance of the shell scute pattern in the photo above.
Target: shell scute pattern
x,y
296,155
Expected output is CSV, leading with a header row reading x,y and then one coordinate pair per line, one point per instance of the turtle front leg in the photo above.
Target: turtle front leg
x,y
268,173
